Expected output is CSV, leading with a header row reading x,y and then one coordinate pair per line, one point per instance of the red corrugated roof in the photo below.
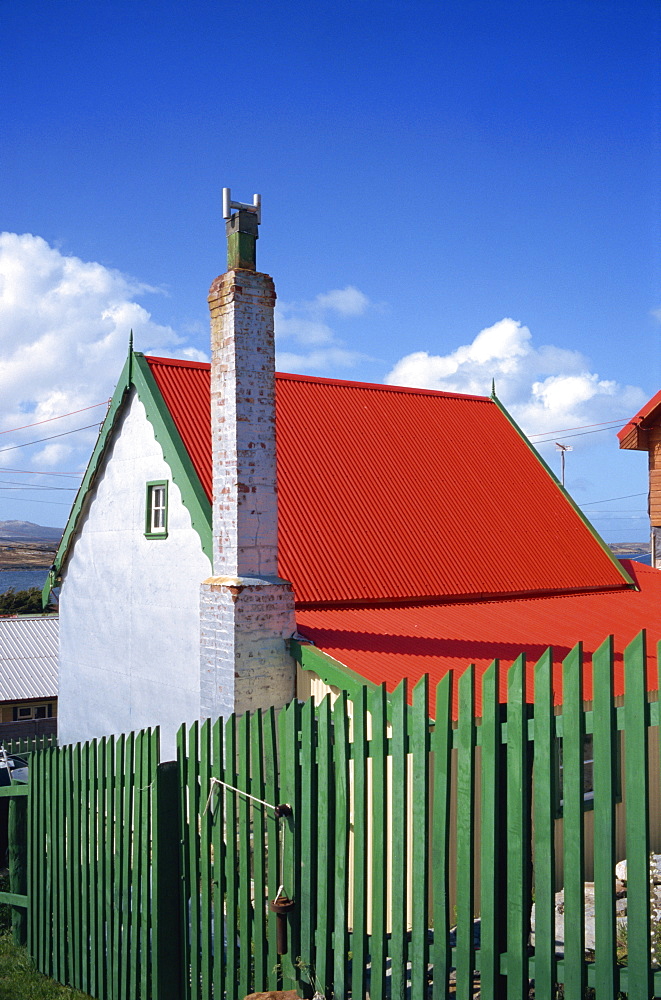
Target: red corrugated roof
x,y
641,419
403,494
388,644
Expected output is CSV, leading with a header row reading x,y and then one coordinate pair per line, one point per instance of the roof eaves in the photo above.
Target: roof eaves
x,y
107,426
174,452
597,537
333,672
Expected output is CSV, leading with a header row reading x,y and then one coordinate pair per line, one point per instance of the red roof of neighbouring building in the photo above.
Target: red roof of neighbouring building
x,y
389,644
645,414
392,494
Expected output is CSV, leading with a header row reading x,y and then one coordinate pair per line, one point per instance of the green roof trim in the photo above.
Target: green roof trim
x,y
107,426
593,531
174,452
136,374
334,673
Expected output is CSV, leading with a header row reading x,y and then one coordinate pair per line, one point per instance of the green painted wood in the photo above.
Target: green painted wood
x,y
167,900
52,946
260,967
62,804
218,846
341,887
115,958
109,850
492,901
184,877
93,888
148,786
206,969
465,950
518,833
325,849
75,870
71,835
125,863
14,791
636,784
193,781
420,838
308,855
16,899
398,941
81,769
32,840
233,862
288,739
544,828
442,750
136,866
379,811
360,853
573,722
244,856
18,864
271,794
604,784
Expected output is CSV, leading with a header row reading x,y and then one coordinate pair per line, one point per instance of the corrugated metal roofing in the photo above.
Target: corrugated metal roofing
x,y
389,644
390,494
28,658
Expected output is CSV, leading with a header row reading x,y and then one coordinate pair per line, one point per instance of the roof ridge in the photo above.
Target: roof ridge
x,y
318,379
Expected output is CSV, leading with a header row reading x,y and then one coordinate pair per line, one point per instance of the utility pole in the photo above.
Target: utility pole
x,y
562,448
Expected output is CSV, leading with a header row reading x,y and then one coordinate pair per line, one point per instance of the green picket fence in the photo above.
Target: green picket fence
x,y
381,851
159,880
29,745
96,916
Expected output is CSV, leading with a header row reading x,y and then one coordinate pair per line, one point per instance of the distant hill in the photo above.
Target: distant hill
x,y
26,531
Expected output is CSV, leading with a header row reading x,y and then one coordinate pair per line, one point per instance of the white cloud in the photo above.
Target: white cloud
x,y
64,330
545,388
305,324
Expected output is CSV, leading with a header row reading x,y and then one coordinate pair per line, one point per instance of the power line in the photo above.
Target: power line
x,y
60,503
599,430
628,496
32,472
51,438
579,427
61,416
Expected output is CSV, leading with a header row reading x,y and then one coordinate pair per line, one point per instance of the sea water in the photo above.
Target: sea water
x,y
22,579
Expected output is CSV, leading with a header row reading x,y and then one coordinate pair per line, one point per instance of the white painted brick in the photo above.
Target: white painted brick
x,y
244,622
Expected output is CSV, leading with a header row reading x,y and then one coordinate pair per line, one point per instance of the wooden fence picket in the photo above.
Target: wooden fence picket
x,y
150,881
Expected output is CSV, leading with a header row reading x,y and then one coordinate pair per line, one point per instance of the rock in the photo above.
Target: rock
x,y
274,995
655,869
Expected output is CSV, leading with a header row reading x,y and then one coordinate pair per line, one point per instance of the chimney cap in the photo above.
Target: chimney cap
x,y
228,205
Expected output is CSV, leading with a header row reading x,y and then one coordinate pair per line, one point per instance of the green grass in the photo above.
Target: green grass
x,y
19,981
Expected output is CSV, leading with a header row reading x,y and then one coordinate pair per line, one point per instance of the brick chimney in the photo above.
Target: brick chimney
x,y
246,610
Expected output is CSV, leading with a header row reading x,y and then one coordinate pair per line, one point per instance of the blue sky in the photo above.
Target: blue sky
x,y
452,192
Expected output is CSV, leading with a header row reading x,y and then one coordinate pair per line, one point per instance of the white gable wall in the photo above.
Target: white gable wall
x,y
129,606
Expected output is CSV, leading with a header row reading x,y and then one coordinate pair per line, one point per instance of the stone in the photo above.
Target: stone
x,y
275,995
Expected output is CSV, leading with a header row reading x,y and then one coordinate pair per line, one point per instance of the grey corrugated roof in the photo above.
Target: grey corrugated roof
x,y
28,658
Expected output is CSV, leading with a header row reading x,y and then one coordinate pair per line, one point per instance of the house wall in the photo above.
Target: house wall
x,y
129,606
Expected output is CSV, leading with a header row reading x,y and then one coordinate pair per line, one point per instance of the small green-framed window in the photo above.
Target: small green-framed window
x,y
156,510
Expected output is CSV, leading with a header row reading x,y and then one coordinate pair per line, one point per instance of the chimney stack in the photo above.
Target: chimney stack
x,y
247,611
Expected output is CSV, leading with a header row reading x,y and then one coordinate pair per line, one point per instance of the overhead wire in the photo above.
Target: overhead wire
x,y
51,437
60,416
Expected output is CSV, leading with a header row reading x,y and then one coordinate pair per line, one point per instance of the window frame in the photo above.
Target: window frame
x,y
151,488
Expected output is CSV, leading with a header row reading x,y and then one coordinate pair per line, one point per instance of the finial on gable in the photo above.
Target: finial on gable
x,y
493,388
130,358
242,231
